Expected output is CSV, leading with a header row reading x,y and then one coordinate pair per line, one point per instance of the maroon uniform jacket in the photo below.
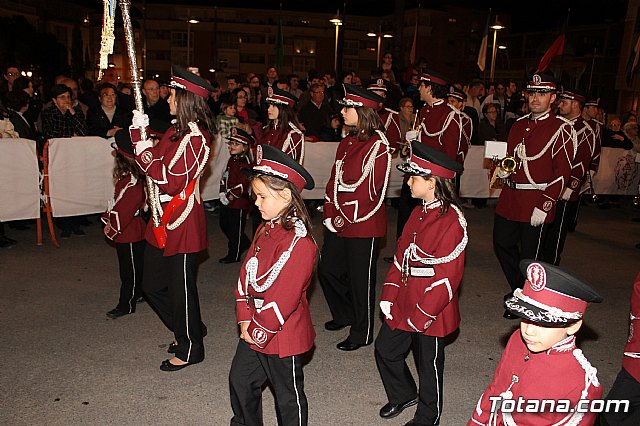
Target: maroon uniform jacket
x,y
392,129
544,150
422,284
291,143
585,149
631,358
272,293
560,373
597,129
446,129
235,184
171,166
123,219
354,199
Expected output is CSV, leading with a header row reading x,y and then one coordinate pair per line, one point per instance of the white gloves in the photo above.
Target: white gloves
x,y
501,173
537,217
328,225
567,194
412,135
142,145
223,199
385,307
140,120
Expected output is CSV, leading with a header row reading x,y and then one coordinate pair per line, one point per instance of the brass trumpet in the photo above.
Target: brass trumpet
x,y
505,168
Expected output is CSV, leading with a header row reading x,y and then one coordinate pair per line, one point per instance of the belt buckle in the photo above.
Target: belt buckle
x,y
511,184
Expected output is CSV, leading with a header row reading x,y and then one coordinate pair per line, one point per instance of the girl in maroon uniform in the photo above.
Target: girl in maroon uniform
x,y
124,224
234,195
283,129
420,295
271,297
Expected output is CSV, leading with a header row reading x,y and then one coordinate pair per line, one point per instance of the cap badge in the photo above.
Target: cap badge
x,y
451,89
270,91
380,82
259,154
537,276
537,79
234,131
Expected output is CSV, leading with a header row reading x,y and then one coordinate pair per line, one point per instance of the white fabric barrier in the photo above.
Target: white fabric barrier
x,y
618,174
19,180
475,179
80,175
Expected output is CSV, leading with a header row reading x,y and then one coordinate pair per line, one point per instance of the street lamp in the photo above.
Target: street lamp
x,y
380,37
190,21
337,22
495,27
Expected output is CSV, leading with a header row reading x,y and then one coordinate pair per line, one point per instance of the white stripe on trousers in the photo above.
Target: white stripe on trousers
x,y
369,328
133,266
435,368
539,242
556,253
186,305
295,386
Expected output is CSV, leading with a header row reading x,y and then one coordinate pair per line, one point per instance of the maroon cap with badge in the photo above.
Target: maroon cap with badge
x,y
239,135
186,80
277,96
355,96
377,85
456,93
542,83
434,77
271,161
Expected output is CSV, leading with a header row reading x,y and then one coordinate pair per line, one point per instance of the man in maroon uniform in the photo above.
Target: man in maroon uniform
x,y
627,384
570,107
543,148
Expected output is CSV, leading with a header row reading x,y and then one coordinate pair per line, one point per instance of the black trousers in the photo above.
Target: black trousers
x,y
405,206
249,372
392,347
557,231
347,274
626,387
170,286
131,264
232,223
514,241
573,210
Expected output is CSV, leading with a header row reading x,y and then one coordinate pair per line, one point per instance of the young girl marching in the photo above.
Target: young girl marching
x,y
420,294
271,298
234,194
283,129
124,224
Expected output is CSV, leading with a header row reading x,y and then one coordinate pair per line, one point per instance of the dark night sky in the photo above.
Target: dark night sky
x,y
527,16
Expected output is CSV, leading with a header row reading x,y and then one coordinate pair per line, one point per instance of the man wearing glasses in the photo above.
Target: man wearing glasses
x,y
314,115
10,75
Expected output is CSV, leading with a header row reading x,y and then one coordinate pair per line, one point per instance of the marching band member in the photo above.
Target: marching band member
x,y
389,117
542,146
570,107
420,295
175,165
234,195
124,224
541,361
283,129
271,297
355,218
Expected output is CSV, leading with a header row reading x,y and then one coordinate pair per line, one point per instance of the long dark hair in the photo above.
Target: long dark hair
x,y
286,115
368,122
192,108
295,209
123,166
445,191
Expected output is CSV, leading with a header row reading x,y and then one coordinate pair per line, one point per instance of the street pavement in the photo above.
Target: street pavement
x,y
66,363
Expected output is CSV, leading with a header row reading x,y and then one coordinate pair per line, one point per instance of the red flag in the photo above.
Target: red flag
x,y
556,49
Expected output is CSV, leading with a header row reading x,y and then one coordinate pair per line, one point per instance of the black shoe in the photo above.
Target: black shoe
x,y
167,366
389,410
334,326
228,259
509,315
388,259
349,346
78,231
116,313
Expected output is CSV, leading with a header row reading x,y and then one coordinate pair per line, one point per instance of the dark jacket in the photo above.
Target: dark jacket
x,y
21,126
99,123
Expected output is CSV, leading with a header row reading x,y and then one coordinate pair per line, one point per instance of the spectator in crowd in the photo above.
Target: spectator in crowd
x,y
255,100
491,128
232,83
498,98
86,93
476,87
11,73
34,105
123,100
411,90
511,93
254,81
215,98
337,91
315,114
239,98
6,127
614,137
294,85
164,90
73,85
226,120
17,104
631,131
109,118
387,63
271,77
519,107
61,119
125,88
332,132
154,106
407,117
628,116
